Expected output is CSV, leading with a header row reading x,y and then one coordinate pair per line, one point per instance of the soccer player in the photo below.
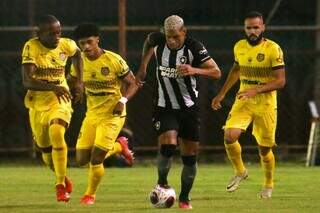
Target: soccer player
x,y
48,98
259,65
179,60
104,74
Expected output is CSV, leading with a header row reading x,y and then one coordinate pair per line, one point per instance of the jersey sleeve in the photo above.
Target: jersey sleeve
x,y
200,53
71,47
276,57
29,53
236,60
156,38
122,68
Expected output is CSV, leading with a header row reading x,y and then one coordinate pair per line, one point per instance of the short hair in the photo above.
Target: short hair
x,y
173,22
253,14
46,19
85,30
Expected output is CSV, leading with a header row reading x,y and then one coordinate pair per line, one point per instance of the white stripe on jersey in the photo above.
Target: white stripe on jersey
x,y
193,79
161,100
165,62
182,86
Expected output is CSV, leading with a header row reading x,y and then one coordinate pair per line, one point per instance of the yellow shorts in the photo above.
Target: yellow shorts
x,y
101,132
40,122
264,122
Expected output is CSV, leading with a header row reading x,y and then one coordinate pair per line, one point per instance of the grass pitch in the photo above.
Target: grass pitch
x,y
31,189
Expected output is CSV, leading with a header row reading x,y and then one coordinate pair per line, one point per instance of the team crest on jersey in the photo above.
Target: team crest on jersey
x,y
105,70
62,56
260,57
157,125
183,59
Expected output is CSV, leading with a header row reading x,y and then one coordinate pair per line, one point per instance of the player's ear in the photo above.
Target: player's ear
x,y
184,29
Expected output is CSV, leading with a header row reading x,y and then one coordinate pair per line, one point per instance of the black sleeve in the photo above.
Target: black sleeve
x,y
199,52
156,38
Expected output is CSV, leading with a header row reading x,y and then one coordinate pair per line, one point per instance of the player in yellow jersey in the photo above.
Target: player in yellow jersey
x,y
104,74
260,68
48,98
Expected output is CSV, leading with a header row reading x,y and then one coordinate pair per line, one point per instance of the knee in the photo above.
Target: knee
x,y
82,161
231,136
264,151
189,160
167,150
56,134
95,160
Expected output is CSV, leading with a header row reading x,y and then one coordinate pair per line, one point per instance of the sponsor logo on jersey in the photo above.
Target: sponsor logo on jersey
x,y
260,57
203,51
105,70
168,72
183,59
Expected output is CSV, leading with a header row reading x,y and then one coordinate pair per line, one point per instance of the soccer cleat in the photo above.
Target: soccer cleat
x,y
266,193
185,205
68,184
87,200
235,181
61,193
126,152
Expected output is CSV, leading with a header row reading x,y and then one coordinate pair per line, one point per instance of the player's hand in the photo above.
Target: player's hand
x,y
216,102
78,92
139,82
249,93
62,93
118,109
185,70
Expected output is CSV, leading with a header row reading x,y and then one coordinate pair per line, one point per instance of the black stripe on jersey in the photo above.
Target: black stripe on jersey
x,y
174,83
278,67
187,79
162,84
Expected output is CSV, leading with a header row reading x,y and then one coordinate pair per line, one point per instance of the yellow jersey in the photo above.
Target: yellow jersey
x,y
50,65
257,65
102,81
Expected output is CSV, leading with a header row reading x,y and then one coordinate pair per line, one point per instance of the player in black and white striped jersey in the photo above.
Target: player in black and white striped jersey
x,y
179,59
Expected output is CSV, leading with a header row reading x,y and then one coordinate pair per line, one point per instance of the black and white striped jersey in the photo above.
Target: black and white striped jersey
x,y
174,91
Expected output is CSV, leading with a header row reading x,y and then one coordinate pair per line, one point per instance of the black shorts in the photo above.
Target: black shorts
x,y
185,122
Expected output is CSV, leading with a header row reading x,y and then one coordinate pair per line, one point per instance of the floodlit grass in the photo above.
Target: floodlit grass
x,y
31,189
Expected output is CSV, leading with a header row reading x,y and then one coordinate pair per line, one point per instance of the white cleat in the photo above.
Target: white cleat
x,y
235,181
266,193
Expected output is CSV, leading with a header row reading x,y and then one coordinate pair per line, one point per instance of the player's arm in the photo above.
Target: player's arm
x,y
278,83
208,69
147,53
232,78
130,88
29,82
78,79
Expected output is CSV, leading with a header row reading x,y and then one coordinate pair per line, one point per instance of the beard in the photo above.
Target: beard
x,y
256,41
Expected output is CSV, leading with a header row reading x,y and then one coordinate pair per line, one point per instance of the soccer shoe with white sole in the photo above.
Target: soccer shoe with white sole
x,y
235,181
126,152
87,200
61,193
68,184
266,193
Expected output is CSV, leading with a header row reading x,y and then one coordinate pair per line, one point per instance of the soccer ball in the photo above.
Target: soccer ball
x,y
162,197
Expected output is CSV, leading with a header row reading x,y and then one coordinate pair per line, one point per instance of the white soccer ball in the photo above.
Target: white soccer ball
x,y
162,197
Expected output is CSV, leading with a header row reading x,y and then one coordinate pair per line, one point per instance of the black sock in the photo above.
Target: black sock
x,y
188,175
164,165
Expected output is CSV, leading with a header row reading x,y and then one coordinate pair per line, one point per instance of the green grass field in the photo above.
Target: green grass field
x,y
31,189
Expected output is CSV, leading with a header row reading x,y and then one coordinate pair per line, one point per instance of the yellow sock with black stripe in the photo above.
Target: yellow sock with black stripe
x,y
59,151
268,165
234,154
116,149
96,173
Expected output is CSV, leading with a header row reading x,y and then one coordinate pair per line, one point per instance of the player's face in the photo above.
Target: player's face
x,y
90,46
254,28
50,34
175,38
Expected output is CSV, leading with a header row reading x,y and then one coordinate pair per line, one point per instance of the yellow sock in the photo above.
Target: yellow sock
x,y
116,149
47,159
96,173
268,165
234,154
59,151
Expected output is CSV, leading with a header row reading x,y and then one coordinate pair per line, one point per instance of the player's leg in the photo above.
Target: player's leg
x,y
238,120
189,151
166,125
264,128
106,134
121,146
